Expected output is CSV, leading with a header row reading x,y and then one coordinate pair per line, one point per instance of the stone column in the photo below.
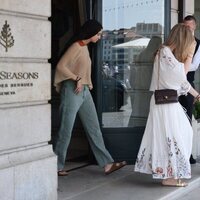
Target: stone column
x,y
27,162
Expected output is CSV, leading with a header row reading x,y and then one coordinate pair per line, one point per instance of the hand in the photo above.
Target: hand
x,y
79,87
197,98
90,87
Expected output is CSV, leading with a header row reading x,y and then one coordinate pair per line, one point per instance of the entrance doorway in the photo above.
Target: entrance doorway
x,y
121,72
67,17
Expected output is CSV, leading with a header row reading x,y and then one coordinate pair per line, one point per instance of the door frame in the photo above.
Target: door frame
x,y
122,143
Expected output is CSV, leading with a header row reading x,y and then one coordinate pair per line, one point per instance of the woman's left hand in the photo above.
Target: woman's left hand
x,y
79,87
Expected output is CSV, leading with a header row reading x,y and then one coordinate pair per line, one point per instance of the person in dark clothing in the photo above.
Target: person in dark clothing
x,y
187,101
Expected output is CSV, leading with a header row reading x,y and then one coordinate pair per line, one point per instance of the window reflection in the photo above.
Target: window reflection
x,y
133,30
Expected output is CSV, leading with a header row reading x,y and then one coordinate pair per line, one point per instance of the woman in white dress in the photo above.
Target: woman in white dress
x,y
167,141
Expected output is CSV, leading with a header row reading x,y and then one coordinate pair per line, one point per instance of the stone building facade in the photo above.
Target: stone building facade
x,y
27,162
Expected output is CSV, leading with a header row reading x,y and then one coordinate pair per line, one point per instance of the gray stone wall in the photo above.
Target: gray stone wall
x,y
27,162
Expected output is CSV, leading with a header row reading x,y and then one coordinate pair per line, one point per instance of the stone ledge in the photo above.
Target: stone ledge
x,y
24,156
35,180
25,126
38,7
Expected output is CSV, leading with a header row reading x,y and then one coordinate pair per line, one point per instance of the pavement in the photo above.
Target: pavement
x,y
90,183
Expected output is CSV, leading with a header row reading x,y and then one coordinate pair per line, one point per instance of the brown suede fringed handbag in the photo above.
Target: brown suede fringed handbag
x,y
165,95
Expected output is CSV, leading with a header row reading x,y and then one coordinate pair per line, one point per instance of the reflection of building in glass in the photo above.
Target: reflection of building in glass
x,y
111,38
127,57
130,49
140,78
149,29
128,54
114,54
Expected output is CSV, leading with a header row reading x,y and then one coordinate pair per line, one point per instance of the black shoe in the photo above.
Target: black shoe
x,y
192,160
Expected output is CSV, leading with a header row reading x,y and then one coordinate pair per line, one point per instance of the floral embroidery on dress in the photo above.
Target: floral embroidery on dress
x,y
181,168
140,161
181,163
168,60
159,170
150,161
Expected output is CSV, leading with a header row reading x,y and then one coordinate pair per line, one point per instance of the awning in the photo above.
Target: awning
x,y
138,43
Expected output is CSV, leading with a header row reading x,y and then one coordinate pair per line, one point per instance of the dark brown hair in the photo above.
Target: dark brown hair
x,y
189,18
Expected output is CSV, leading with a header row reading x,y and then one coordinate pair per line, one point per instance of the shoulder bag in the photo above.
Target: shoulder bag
x,y
165,95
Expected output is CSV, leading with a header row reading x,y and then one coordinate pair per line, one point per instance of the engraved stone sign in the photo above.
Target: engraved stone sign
x,y
6,38
31,37
24,82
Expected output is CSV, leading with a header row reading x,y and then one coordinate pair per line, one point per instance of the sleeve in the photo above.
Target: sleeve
x,y
168,58
196,61
67,60
172,72
185,87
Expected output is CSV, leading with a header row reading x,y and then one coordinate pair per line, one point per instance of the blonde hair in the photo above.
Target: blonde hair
x,y
180,40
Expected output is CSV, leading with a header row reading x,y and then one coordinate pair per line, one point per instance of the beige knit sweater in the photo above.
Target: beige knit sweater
x,y
75,62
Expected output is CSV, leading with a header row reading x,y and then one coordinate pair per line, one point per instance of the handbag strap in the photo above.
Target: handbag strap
x,y
158,69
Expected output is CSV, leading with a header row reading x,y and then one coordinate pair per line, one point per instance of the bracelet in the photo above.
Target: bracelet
x,y
78,79
196,98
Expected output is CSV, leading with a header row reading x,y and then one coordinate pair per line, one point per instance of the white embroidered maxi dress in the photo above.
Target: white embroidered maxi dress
x,y
167,141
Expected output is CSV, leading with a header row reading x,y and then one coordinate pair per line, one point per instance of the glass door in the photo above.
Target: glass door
x,y
133,30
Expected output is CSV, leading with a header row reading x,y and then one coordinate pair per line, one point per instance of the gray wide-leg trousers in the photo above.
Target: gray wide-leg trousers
x,y
83,104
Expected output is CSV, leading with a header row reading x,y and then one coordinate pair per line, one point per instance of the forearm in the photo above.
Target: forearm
x,y
193,92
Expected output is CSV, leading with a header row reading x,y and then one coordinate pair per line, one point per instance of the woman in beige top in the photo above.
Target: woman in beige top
x,y
73,82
